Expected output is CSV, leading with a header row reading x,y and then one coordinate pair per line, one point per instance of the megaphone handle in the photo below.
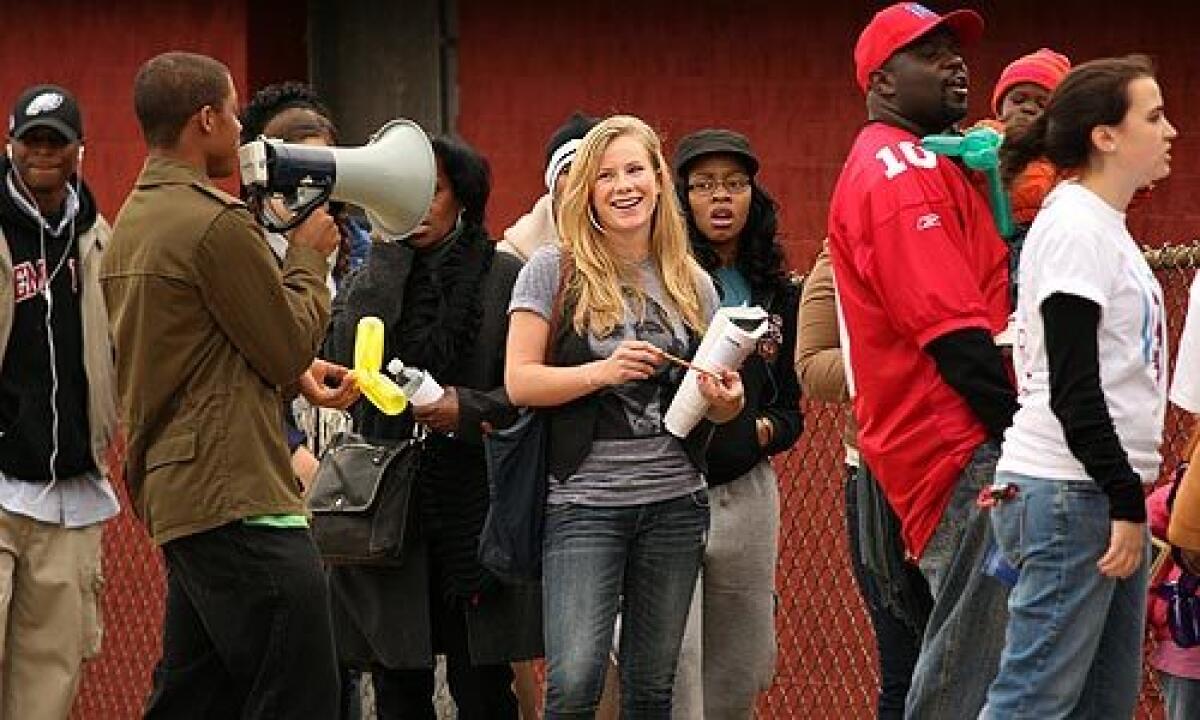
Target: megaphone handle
x,y
300,215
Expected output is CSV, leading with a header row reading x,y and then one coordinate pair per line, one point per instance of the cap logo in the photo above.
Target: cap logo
x,y
44,103
920,10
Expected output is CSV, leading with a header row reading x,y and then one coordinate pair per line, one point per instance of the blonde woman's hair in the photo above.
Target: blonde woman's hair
x,y
600,275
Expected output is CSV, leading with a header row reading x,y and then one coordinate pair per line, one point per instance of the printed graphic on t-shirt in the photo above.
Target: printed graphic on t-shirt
x,y
29,278
642,405
1151,332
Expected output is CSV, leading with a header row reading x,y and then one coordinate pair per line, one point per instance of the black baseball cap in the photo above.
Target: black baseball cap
x,y
46,106
711,142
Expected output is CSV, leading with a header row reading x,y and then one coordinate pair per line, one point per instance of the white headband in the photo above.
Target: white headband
x,y
562,157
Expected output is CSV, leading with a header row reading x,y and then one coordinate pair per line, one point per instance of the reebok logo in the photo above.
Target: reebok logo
x,y
929,221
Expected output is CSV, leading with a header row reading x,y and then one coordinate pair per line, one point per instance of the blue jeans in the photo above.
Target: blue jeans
x,y
1182,696
643,558
1074,645
965,632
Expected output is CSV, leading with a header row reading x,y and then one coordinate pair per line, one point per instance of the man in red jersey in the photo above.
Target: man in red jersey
x,y
921,276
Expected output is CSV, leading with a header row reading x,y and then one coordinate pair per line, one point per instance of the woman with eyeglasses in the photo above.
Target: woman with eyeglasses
x,y
729,649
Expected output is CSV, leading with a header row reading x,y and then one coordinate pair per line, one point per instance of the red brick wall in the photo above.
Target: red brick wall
x,y
95,49
781,72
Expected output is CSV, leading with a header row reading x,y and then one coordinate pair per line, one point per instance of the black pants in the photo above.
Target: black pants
x,y
480,692
897,643
247,632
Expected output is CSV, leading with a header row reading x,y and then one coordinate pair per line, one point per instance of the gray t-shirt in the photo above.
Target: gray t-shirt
x,y
633,459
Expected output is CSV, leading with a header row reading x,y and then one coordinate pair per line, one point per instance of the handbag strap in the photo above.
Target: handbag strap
x,y
566,270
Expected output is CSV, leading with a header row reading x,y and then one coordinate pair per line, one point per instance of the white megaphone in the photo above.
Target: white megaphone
x,y
392,177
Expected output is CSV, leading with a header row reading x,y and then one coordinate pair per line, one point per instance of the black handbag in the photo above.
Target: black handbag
x,y
510,543
360,497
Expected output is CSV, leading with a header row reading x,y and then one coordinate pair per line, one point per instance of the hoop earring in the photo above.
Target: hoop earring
x,y
592,219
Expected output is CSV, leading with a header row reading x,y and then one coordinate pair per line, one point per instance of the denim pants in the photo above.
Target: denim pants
x,y
965,633
1182,696
644,558
897,642
247,632
729,649
1074,644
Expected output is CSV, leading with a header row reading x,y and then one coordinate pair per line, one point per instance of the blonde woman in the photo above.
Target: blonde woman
x,y
627,509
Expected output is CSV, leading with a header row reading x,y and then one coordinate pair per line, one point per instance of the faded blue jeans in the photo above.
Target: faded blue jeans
x,y
1074,647
643,559
961,648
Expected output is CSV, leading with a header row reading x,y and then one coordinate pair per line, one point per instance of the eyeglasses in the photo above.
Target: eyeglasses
x,y
735,185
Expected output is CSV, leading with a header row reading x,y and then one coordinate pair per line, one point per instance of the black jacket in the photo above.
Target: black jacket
x,y
383,615
27,384
571,427
772,391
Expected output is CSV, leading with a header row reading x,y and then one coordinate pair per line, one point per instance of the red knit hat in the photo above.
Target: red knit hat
x,y
1044,67
898,25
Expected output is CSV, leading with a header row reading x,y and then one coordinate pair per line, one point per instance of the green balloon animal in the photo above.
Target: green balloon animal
x,y
979,149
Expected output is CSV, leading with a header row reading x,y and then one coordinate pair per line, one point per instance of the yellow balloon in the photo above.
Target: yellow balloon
x,y
368,345
368,360
382,392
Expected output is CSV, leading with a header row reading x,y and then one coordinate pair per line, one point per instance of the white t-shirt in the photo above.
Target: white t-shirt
x,y
1079,245
1185,388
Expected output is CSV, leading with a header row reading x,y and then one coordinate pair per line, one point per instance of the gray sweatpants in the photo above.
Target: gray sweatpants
x,y
729,650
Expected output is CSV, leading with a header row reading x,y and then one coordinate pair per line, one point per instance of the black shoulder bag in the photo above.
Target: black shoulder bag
x,y
510,543
360,497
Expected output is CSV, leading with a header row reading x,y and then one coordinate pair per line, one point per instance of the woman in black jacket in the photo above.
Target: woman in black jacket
x,y
729,648
442,293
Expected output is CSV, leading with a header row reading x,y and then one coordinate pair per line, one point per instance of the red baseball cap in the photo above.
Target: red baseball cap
x,y
898,25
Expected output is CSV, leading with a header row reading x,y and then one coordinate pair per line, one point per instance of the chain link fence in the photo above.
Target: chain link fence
x,y
827,666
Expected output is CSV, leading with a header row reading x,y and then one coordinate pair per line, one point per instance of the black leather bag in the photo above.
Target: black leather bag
x,y
360,497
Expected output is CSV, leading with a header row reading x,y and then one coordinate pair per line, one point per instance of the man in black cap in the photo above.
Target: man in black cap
x,y
537,227
57,409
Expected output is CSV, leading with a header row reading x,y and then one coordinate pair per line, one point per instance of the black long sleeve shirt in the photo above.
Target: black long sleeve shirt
x,y
1077,400
969,361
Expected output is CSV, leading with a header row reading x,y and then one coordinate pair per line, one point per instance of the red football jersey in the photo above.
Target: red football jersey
x,y
915,255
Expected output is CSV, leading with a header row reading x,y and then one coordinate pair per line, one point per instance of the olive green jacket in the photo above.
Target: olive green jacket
x,y
208,330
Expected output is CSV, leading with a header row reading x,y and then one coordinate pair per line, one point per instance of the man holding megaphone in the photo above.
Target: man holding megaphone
x,y
211,335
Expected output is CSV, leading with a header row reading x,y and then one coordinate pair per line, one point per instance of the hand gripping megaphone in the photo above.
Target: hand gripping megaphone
x,y
392,178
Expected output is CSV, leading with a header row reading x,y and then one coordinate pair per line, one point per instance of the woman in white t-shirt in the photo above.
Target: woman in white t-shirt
x,y
1090,359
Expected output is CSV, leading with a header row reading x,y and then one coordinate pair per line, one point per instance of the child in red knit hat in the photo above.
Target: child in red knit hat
x,y
1019,98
